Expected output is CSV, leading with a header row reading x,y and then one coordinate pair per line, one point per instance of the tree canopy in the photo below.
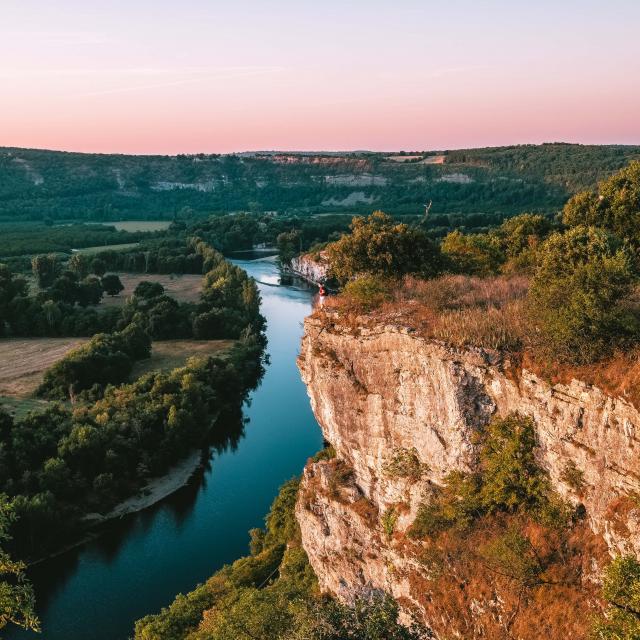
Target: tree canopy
x,y
379,246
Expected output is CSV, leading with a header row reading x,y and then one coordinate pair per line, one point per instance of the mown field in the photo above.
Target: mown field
x,y
23,362
109,247
140,225
184,288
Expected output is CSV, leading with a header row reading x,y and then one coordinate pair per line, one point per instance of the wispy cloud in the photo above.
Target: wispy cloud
x,y
65,38
225,73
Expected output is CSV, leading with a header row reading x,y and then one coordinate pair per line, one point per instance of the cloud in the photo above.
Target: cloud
x,y
64,38
222,73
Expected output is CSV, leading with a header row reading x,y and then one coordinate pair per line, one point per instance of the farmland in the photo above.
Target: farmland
x,y
140,225
184,288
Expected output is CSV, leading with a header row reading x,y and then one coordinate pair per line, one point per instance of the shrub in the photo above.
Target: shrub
x,y
388,521
508,480
578,296
573,476
404,463
474,254
366,292
616,206
621,591
513,555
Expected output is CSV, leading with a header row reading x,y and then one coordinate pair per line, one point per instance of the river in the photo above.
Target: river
x,y
138,565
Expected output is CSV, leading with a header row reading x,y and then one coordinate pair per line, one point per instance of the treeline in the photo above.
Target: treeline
x,y
229,301
58,465
572,166
21,239
39,184
273,593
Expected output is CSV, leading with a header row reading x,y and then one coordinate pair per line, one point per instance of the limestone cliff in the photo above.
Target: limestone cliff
x,y
382,392
312,269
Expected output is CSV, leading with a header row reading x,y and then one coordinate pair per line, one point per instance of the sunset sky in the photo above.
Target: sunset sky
x,y
153,76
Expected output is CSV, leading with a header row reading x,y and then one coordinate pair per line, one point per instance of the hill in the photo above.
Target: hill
x,y
492,182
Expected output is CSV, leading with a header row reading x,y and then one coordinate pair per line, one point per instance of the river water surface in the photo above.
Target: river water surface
x,y
98,591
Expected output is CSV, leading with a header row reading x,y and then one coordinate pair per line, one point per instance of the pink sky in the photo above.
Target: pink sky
x,y
203,76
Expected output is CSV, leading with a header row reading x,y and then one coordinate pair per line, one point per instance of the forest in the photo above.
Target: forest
x,y
35,185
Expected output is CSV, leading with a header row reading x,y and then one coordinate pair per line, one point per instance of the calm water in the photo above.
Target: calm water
x,y
97,592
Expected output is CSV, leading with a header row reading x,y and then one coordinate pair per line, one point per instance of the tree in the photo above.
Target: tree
x,y
90,291
380,247
65,288
473,254
99,267
615,207
621,591
578,296
17,600
45,268
111,284
79,263
148,290
289,245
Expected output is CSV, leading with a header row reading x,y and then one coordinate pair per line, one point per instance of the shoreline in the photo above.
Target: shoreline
x,y
155,491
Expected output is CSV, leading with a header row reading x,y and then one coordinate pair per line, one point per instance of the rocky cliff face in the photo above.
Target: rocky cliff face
x,y
383,393
312,270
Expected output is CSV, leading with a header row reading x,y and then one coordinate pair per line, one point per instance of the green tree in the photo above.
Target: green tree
x,y
148,290
615,207
621,591
289,245
98,267
578,296
380,247
17,600
90,291
511,477
65,288
475,254
45,268
112,284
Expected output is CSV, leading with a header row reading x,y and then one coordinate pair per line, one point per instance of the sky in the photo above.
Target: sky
x,y
190,76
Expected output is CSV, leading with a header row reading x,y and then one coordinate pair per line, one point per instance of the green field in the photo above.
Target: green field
x,y
139,225
108,247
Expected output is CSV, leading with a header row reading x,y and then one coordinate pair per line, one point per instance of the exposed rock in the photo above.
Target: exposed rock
x,y
383,392
313,270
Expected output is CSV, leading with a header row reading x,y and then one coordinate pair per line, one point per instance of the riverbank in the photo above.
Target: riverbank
x,y
154,491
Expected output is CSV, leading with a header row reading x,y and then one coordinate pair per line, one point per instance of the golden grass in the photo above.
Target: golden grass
x,y
23,362
460,310
184,288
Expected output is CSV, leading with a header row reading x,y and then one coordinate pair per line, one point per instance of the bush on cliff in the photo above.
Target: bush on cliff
x,y
507,480
579,299
621,591
615,207
382,248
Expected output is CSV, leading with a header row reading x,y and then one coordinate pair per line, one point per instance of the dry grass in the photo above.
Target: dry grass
x,y
560,605
460,310
167,355
23,362
619,375
184,288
